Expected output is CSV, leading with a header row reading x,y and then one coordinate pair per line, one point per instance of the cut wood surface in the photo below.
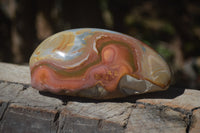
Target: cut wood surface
x,y
26,110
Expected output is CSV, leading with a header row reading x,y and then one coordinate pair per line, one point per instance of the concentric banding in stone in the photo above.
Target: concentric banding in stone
x,y
75,61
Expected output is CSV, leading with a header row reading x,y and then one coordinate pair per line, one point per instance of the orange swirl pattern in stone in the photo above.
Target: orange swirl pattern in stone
x,y
98,64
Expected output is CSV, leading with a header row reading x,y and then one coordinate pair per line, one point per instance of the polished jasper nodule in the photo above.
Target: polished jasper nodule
x,y
98,64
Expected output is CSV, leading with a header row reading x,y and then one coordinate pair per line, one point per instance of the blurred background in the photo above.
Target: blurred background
x,y
171,27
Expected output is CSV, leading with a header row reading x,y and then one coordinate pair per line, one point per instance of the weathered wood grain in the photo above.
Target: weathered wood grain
x,y
3,106
155,119
24,119
24,109
195,123
14,73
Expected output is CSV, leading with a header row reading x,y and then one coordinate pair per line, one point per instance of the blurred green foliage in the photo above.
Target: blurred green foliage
x,y
164,52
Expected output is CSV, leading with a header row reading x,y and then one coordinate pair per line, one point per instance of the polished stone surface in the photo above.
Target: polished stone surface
x,y
97,63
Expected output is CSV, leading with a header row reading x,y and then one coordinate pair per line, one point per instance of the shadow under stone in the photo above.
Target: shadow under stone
x,y
168,94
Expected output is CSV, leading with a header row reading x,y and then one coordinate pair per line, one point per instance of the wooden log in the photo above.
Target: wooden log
x,y
24,109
